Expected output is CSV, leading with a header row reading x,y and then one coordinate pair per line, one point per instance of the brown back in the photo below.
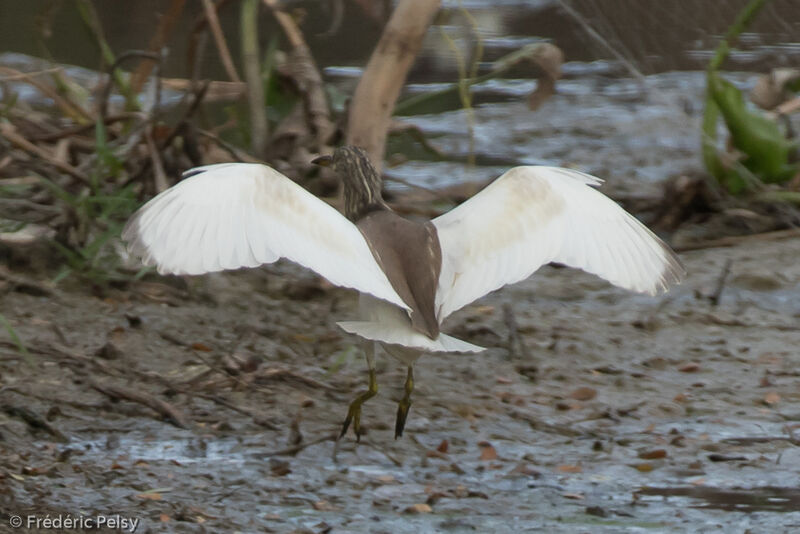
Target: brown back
x,y
410,255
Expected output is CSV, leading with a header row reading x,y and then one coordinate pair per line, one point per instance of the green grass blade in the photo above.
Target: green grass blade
x,y
23,351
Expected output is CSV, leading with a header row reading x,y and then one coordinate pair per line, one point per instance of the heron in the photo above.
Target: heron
x,y
410,274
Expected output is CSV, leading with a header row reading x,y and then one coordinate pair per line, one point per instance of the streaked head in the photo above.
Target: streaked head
x,y
362,183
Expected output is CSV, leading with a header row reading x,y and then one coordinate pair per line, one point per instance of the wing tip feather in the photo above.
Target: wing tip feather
x,y
672,273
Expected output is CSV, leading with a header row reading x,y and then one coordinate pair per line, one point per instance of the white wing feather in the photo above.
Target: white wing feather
x,y
531,216
236,215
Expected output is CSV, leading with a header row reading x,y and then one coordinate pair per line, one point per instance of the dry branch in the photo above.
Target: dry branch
x,y
720,285
294,449
67,106
732,241
219,40
8,131
379,87
157,42
306,74
33,420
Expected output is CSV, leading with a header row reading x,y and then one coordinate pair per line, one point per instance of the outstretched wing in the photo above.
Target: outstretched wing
x,y
235,215
531,216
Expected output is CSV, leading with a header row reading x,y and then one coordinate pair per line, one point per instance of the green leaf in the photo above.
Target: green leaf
x,y
762,142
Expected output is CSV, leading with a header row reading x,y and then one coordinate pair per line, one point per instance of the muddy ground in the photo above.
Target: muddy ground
x,y
211,404
608,412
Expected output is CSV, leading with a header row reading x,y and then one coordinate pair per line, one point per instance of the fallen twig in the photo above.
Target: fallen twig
x,y
720,286
750,440
159,406
294,449
732,241
538,424
516,345
28,286
26,76
33,420
278,374
244,411
8,131
67,106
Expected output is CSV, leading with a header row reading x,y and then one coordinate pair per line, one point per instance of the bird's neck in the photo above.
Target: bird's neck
x,y
358,213
362,195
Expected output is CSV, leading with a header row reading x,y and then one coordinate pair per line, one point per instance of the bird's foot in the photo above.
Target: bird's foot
x,y
404,405
354,411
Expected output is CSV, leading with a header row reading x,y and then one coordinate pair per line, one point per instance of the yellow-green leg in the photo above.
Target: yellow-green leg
x,y
354,412
404,405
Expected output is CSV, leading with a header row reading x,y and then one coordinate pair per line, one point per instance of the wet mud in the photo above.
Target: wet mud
x,y
594,410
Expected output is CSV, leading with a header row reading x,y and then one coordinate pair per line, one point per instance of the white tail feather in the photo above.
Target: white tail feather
x,y
407,337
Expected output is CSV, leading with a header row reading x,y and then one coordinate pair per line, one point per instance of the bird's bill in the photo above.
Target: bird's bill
x,y
323,161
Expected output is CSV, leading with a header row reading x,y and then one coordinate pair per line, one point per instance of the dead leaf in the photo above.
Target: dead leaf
x,y
654,454
567,468
773,89
419,508
488,452
643,467
772,398
435,497
455,468
689,367
573,496
164,518
443,446
549,58
584,393
323,506
279,468
202,347
680,398
523,470
109,351
150,496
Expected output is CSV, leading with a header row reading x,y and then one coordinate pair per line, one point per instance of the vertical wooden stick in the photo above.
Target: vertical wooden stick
x,y
252,75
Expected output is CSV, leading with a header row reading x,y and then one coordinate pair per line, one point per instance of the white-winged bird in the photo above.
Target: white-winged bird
x,y
410,274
